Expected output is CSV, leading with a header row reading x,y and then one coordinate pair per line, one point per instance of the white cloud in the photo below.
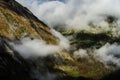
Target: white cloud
x,y
77,14
109,54
74,14
34,48
64,42
81,53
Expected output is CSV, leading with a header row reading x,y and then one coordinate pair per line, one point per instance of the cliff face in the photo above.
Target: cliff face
x,y
17,22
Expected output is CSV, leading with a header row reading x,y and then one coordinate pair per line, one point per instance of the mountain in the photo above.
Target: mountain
x,y
17,22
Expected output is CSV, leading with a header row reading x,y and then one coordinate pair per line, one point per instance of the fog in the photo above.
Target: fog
x,y
37,47
34,48
109,54
64,42
81,53
74,14
78,15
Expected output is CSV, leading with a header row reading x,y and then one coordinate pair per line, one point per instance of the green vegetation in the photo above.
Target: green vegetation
x,y
86,67
69,32
85,39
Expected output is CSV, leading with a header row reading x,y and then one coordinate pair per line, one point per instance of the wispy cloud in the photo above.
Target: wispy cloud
x,y
38,48
109,54
76,14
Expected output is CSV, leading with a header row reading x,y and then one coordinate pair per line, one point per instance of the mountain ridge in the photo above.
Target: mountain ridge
x,y
17,22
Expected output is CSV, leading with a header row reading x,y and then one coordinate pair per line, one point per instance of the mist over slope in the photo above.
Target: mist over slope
x,y
92,15
35,48
17,23
42,53
23,37
101,15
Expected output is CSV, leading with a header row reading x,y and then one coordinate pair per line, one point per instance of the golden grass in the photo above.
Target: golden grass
x,y
85,67
14,26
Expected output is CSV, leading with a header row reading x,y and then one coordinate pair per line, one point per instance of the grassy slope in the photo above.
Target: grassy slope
x,y
87,67
15,26
75,67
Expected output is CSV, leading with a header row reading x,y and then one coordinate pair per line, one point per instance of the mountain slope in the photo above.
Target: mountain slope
x,y
12,65
17,22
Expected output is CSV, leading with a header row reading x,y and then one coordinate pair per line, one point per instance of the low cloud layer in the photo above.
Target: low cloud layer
x,y
81,53
74,14
64,42
34,48
78,14
109,54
